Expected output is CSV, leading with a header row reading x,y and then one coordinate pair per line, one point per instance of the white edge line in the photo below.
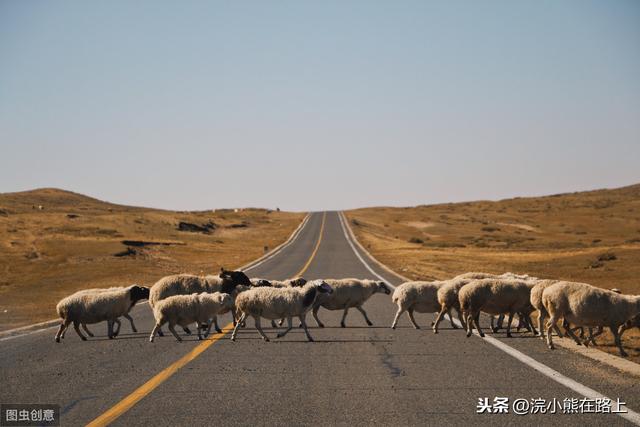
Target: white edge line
x,y
579,388
11,333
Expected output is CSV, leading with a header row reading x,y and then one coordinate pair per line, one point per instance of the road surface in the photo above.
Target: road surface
x,y
356,375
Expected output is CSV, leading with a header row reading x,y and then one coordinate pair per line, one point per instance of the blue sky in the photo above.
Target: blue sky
x,y
318,105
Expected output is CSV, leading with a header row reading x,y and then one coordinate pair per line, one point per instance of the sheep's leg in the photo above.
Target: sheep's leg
x,y
215,323
259,328
273,324
453,325
84,326
509,320
117,331
593,335
155,330
235,328
306,331
469,321
493,328
172,329
569,332
527,319
476,321
76,326
289,327
186,330
199,330
281,322
413,321
315,316
541,316
552,322
130,319
344,316
63,327
395,319
618,341
160,333
110,329
439,319
461,318
364,313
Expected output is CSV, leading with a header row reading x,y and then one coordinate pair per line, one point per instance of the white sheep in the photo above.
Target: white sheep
x,y
186,284
295,282
536,301
94,307
448,298
417,296
495,296
507,275
348,293
586,305
278,303
184,310
116,321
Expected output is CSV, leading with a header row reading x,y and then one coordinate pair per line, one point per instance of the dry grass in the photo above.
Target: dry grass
x,y
591,237
76,242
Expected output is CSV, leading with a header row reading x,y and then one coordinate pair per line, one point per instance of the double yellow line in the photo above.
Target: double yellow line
x,y
128,402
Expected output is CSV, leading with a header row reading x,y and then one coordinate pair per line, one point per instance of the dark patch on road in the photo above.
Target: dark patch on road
x,y
388,363
74,403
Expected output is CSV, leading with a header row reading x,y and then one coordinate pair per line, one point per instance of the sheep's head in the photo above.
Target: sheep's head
x,y
298,282
383,287
236,277
225,300
323,287
138,293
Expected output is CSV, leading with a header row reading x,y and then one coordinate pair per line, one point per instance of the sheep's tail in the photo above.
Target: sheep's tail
x,y
62,310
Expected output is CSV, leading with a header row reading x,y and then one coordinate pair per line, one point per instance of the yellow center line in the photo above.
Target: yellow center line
x,y
315,250
138,394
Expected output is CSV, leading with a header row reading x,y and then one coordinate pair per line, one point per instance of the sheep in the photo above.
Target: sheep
x,y
94,307
295,282
495,296
507,275
536,301
448,298
184,284
278,303
186,309
126,316
417,296
348,293
586,305
599,329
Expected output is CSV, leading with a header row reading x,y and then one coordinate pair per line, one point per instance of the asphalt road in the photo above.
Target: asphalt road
x,y
357,375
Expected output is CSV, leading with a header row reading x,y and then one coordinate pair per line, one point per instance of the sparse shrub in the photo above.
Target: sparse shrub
x,y
416,240
355,222
607,256
490,229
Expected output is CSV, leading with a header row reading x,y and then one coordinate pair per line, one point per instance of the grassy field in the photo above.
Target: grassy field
x,y
591,237
54,242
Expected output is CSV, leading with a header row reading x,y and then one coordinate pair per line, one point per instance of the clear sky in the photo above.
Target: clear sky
x,y
318,105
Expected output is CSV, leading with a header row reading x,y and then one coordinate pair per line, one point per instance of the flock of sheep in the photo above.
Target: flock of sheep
x,y
184,299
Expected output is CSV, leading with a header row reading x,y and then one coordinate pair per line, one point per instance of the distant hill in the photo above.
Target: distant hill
x,y
53,242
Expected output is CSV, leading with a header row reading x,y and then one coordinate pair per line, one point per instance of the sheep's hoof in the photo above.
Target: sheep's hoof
x,y
435,331
416,327
218,330
134,330
482,334
552,347
233,339
342,325
509,336
279,336
624,354
150,339
265,339
310,339
369,323
468,334
495,330
454,326
179,339
85,338
320,325
57,339
90,334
